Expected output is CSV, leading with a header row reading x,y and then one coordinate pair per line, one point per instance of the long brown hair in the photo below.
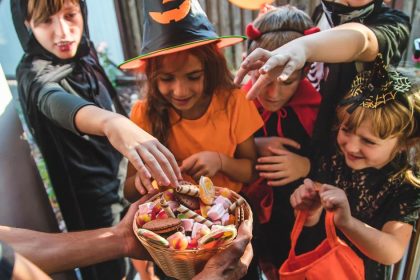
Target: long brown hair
x,y
41,10
217,78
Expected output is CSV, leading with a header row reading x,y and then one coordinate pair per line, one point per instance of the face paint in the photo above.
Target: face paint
x,y
338,13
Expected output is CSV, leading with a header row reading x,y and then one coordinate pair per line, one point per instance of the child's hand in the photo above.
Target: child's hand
x,y
274,65
335,199
142,186
263,144
306,198
283,167
202,164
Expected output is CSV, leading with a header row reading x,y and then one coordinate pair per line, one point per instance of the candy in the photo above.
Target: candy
x,y
166,208
190,190
217,237
178,241
206,190
216,212
223,200
173,204
192,243
187,224
162,215
145,208
237,203
168,195
153,237
225,219
199,230
192,215
204,209
142,219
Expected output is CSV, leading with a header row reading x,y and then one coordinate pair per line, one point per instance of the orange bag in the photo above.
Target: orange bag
x,y
332,259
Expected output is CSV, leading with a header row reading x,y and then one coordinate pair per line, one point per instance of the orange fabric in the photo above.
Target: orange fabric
x,y
332,259
220,129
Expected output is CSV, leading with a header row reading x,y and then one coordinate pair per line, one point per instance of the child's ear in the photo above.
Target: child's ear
x,y
27,24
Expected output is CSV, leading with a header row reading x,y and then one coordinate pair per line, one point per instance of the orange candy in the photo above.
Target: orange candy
x,y
178,241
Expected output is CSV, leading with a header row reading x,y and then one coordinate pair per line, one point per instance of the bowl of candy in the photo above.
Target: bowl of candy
x,y
183,228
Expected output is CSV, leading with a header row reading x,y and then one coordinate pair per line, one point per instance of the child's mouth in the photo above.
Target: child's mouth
x,y
64,46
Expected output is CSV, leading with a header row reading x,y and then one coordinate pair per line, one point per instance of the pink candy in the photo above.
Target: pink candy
x,y
145,208
199,230
223,200
216,212
187,224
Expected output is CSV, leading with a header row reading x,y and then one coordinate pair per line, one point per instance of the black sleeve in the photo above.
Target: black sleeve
x,y
392,29
59,106
406,205
7,261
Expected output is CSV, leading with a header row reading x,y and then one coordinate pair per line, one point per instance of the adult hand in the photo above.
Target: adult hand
x,y
234,261
335,199
202,164
264,143
124,229
278,64
145,152
283,167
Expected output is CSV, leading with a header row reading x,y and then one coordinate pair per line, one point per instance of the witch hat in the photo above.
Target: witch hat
x,y
172,26
250,4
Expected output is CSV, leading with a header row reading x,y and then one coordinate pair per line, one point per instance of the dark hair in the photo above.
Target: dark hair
x,y
280,26
217,79
41,10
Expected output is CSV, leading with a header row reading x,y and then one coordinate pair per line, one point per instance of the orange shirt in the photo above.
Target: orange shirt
x,y
220,129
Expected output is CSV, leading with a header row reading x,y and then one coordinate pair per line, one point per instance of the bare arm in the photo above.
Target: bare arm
x,y
344,43
241,167
55,252
145,152
26,270
386,246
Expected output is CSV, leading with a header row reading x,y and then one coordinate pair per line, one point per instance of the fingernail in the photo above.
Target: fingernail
x,y
283,77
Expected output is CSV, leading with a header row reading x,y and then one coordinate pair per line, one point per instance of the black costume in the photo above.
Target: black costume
x,y
392,29
375,196
7,261
83,168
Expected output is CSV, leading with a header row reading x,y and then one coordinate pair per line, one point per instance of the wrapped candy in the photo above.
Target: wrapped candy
x,y
199,230
153,237
223,200
190,190
237,203
166,208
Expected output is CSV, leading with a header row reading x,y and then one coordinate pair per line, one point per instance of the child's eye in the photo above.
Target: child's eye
x,y
166,78
344,129
369,142
194,77
70,16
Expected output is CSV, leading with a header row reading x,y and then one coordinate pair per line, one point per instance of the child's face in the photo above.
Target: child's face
x,y
362,149
276,94
62,32
181,82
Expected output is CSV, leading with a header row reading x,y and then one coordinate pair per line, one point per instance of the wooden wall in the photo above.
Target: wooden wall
x,y
229,19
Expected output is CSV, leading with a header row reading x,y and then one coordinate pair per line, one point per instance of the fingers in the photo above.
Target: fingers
x,y
152,164
289,142
279,151
143,185
172,161
271,159
269,167
188,164
261,83
138,164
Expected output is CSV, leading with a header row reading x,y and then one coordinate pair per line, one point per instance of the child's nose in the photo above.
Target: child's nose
x,y
178,88
62,28
352,145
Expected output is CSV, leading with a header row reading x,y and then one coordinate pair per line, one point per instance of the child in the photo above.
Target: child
x,y
70,106
360,31
192,105
371,182
289,110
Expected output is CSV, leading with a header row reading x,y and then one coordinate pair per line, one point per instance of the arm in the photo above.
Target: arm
x,y
145,152
208,163
55,252
386,246
344,43
241,167
26,270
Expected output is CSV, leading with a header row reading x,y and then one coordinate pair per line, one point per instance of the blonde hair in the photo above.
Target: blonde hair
x,y
279,27
397,118
40,10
